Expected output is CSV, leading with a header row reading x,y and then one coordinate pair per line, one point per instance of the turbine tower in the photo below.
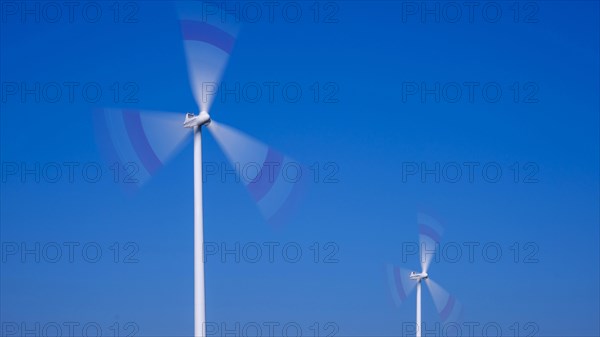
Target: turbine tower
x,y
196,123
418,278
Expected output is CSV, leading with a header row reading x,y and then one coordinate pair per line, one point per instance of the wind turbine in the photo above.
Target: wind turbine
x,y
144,140
402,281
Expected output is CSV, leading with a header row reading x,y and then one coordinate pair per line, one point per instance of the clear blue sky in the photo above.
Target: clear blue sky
x,y
364,122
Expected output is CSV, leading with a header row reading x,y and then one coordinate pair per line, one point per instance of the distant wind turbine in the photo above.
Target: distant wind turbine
x,y
402,281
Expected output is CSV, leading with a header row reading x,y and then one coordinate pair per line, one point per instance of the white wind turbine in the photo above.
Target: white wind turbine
x,y
402,281
147,139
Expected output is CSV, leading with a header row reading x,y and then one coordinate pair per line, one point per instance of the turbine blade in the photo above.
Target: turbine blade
x,y
139,141
276,182
448,307
430,232
400,283
208,37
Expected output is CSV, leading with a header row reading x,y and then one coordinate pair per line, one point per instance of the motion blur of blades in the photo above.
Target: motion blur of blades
x,y
448,307
400,283
276,182
208,42
139,141
430,234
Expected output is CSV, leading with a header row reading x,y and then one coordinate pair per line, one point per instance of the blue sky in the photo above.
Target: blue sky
x,y
364,123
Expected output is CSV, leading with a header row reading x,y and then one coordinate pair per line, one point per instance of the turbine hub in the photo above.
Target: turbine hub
x,y
192,120
418,276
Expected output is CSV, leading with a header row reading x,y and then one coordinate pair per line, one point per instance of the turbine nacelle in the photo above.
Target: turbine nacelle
x,y
418,276
192,120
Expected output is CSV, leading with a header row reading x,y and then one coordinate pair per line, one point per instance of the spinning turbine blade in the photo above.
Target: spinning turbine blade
x,y
139,141
274,180
400,284
430,232
209,36
447,306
